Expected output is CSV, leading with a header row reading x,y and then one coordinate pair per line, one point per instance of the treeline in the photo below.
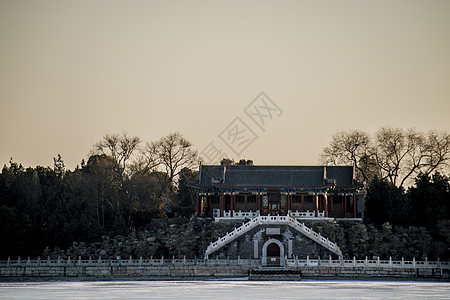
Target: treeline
x,y
391,159
125,183
425,204
122,186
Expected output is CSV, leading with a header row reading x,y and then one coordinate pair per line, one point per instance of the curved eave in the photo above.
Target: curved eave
x,y
355,187
273,187
195,186
220,186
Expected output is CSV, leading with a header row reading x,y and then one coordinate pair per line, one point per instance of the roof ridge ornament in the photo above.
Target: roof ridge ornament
x,y
224,173
328,180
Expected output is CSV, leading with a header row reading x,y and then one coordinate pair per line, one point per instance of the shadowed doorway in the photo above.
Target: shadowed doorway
x,y
273,255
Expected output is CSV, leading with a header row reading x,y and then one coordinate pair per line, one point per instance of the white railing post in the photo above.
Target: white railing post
x,y
414,262
366,262
390,261
307,260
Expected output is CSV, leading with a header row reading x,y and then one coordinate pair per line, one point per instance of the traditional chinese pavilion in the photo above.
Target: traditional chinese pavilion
x,y
250,191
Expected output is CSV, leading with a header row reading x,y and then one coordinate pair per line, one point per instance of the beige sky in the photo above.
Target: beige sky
x,y
73,71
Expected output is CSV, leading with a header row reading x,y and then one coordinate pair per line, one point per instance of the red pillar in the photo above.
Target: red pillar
x,y
232,197
354,205
316,205
222,204
289,202
199,212
302,203
325,200
258,203
245,203
345,206
201,204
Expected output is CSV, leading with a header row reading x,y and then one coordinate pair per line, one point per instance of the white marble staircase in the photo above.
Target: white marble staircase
x,y
273,220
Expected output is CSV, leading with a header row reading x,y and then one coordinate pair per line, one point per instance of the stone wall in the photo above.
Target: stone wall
x,y
190,238
360,240
160,269
147,272
372,272
163,237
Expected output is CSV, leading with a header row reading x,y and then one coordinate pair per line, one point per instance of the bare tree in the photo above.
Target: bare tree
x,y
119,147
399,153
351,148
147,160
437,152
393,154
175,153
166,158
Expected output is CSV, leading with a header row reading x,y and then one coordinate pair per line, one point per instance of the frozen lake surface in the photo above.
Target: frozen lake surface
x,y
226,290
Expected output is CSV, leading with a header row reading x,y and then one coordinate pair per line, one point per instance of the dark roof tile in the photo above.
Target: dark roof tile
x,y
236,176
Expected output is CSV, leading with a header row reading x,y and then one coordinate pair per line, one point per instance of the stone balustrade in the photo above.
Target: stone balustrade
x,y
240,215
38,262
215,261
306,214
162,268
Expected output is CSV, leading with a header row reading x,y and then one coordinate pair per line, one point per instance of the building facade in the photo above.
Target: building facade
x,y
250,191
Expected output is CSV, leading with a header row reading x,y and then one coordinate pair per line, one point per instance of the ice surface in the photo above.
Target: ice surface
x,y
226,290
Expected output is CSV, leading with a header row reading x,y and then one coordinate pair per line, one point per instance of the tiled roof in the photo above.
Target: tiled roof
x,y
237,176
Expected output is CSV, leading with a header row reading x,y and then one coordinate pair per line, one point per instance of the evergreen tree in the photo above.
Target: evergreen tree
x,y
430,199
386,202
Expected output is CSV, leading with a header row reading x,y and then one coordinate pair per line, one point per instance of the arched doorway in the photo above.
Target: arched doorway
x,y
273,253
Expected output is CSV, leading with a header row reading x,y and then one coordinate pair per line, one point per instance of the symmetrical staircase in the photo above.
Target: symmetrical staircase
x,y
273,220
